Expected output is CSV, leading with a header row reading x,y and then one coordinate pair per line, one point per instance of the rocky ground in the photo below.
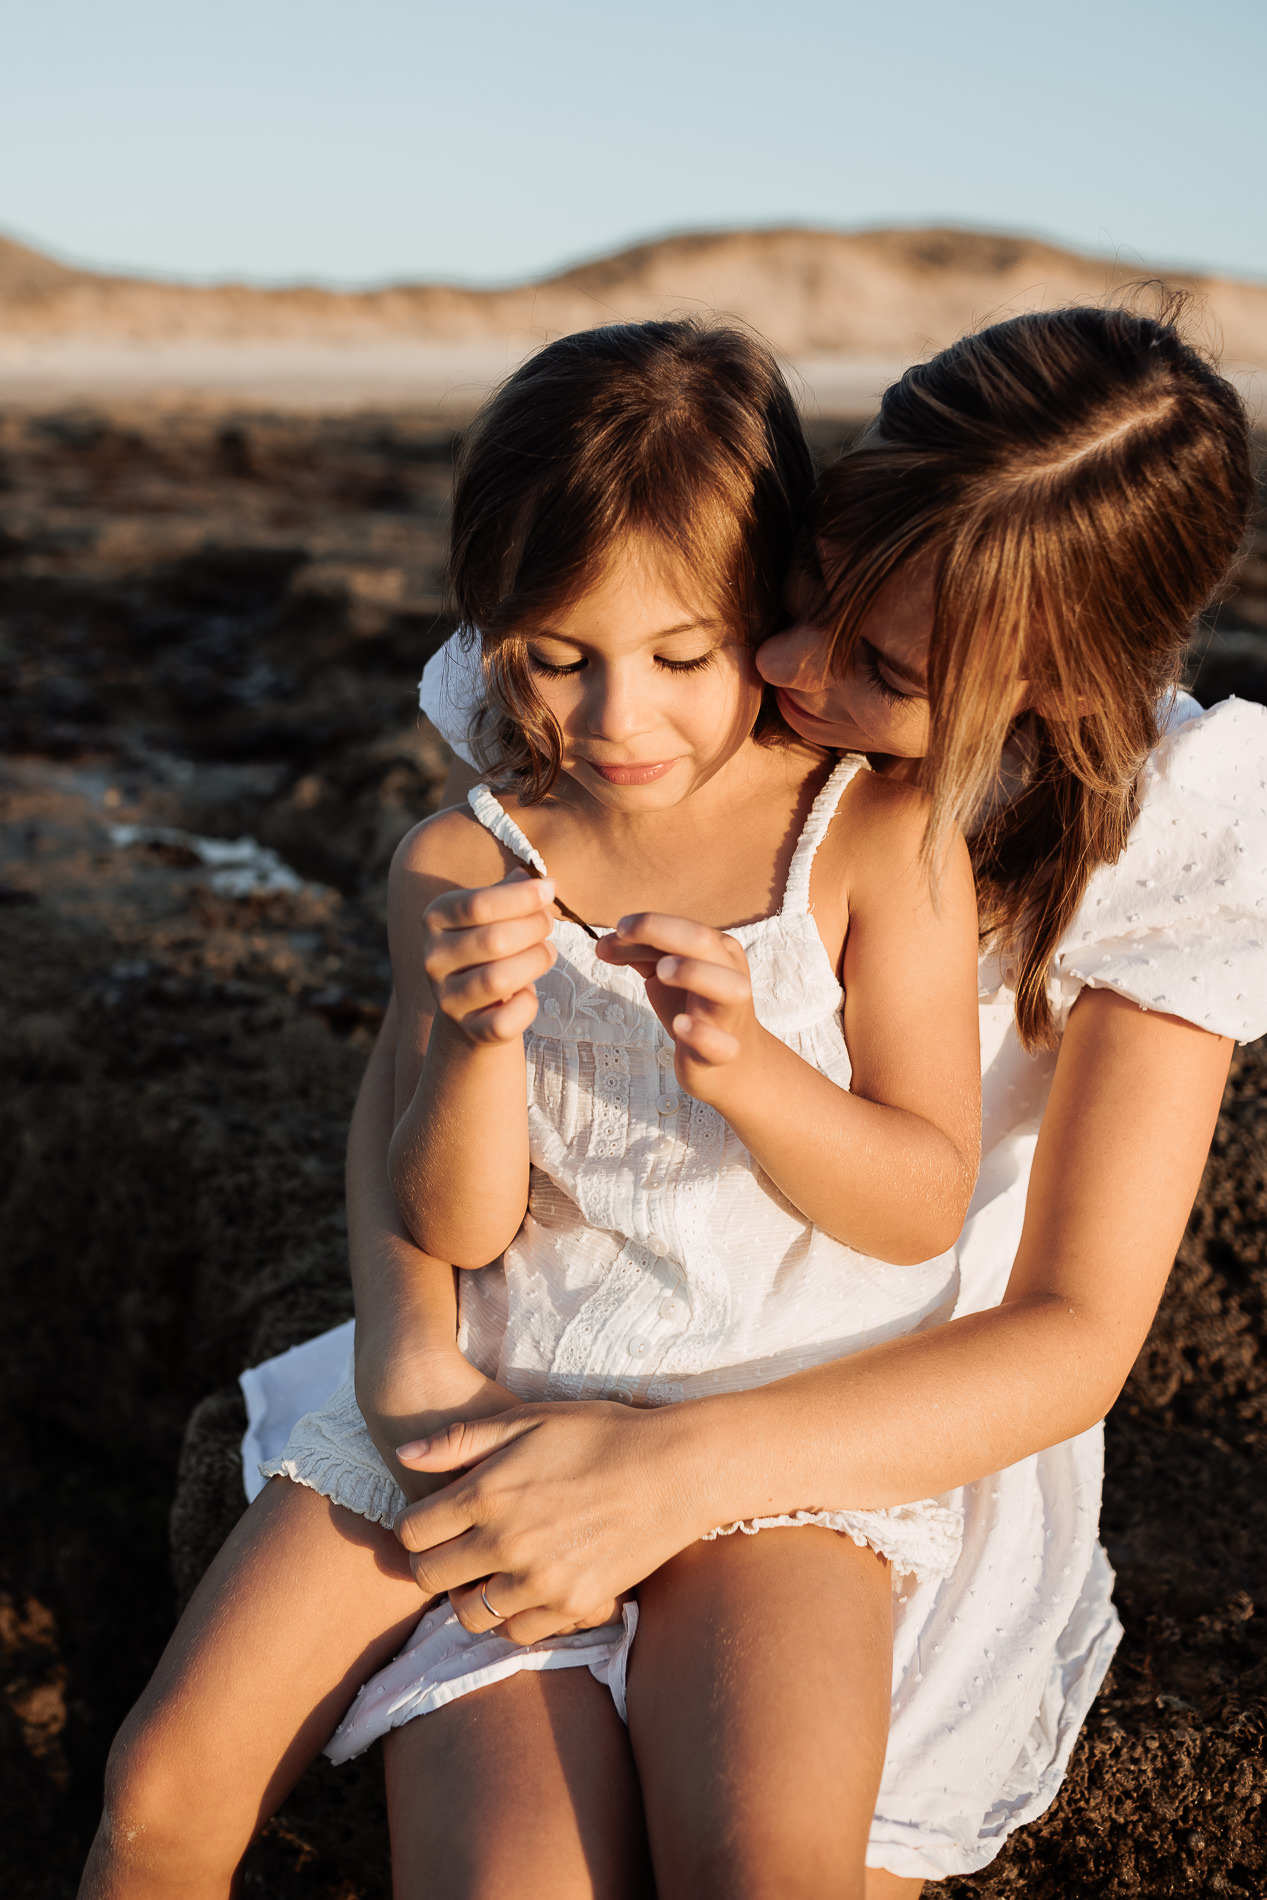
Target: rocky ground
x,y
209,629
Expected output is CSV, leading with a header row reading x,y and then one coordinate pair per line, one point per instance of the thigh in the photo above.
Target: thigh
x,y
759,1690
525,1787
304,1601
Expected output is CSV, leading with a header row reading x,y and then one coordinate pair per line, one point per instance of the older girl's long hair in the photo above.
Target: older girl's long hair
x,y
1082,481
679,431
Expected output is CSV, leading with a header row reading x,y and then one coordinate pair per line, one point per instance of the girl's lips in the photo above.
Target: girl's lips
x,y
792,710
632,774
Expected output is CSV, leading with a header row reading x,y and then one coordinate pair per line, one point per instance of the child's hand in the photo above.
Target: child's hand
x,y
484,951
699,986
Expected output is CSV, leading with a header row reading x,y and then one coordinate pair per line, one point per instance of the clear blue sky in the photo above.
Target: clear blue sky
x,y
484,140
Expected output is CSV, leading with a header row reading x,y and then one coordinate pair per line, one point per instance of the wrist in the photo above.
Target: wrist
x,y
452,1041
695,1456
392,1370
732,1087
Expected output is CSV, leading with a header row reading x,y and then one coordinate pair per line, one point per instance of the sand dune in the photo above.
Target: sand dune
x,y
846,309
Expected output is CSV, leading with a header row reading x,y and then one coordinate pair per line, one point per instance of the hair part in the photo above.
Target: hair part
x,y
680,432
1082,481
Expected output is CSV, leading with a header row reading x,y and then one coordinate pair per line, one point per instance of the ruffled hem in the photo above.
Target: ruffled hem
x,y
918,1540
379,1500
332,1452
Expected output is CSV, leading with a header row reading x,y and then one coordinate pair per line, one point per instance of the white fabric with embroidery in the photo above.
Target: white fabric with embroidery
x,y
996,1665
656,1261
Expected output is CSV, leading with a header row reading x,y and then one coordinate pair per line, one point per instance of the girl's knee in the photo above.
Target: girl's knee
x,y
161,1827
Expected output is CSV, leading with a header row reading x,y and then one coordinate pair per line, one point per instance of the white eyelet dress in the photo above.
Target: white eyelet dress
x,y
656,1263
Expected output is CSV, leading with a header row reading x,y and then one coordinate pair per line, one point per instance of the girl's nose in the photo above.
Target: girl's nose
x,y
793,658
614,709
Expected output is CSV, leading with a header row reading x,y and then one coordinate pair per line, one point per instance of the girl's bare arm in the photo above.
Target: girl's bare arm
x,y
1119,1160
888,1165
464,959
410,1376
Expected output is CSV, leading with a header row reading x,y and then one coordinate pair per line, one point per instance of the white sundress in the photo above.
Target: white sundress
x,y
996,1665
656,1263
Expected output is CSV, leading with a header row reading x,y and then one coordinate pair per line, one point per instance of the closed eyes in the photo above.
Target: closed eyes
x,y
549,670
885,688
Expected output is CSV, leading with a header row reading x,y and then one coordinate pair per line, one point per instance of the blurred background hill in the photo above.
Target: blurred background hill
x,y
848,311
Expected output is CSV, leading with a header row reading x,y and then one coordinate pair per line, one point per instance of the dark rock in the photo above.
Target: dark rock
x,y
179,1068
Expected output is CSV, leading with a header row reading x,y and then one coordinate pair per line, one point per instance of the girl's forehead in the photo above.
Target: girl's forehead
x,y
641,589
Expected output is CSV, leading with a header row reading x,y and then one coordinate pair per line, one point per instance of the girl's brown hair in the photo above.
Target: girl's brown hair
x,y
682,431
1081,480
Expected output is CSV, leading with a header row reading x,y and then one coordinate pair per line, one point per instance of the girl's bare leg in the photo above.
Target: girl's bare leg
x,y
304,1602
526,1787
759,1691
882,1886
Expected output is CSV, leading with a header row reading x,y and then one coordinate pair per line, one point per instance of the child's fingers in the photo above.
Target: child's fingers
x,y
468,991
516,897
704,1040
504,1022
715,982
619,950
640,956
656,932
451,950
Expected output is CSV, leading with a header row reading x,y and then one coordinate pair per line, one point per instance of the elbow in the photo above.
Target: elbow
x,y
462,1245
400,1179
935,1208
474,1266
1094,1355
923,1243
935,1230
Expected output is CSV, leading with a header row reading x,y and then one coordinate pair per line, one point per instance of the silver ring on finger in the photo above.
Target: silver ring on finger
x,y
497,1618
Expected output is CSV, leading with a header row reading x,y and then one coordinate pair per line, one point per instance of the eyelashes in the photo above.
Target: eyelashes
x,y
551,672
877,679
686,666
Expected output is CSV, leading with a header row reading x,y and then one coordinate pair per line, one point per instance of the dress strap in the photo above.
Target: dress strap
x,y
494,817
821,813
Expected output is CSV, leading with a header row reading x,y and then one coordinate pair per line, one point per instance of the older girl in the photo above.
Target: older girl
x,y
1002,583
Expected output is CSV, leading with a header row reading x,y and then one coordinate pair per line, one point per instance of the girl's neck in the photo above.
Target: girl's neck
x,y
719,855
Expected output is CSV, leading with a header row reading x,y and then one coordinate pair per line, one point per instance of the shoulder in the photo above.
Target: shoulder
x,y
877,838
1202,821
449,851
1179,923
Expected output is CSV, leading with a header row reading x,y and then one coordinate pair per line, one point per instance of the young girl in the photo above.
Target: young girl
x,y
746,1151
1009,570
